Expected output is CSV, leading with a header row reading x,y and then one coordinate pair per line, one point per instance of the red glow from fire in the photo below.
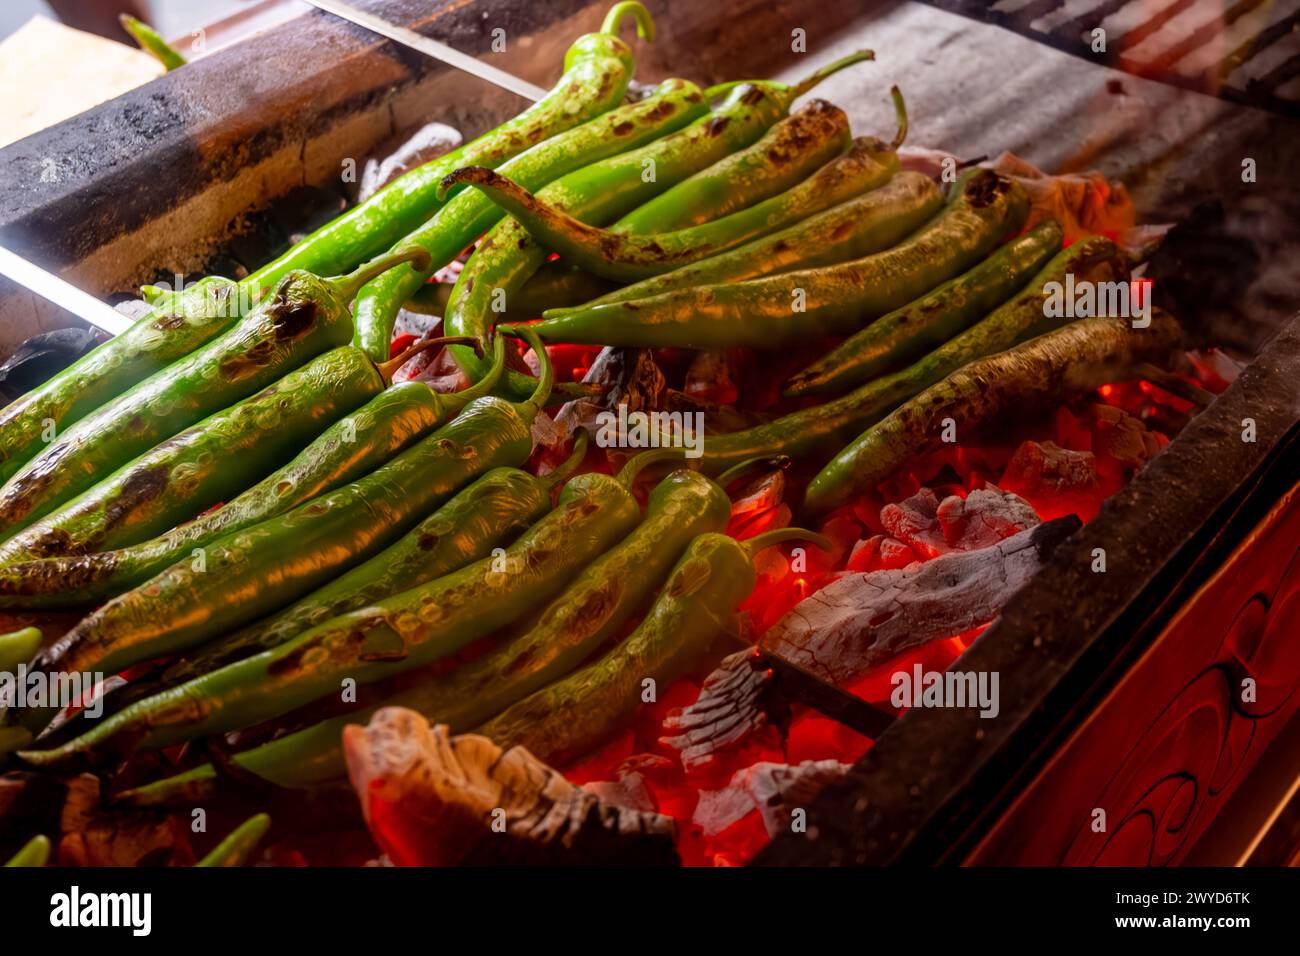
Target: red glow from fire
x,y
1068,464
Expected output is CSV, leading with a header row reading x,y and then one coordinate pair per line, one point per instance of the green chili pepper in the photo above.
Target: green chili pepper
x,y
572,716
346,451
822,429
249,573
197,468
18,647
862,226
467,216
552,286
236,849
603,191
598,67
926,323
36,852
547,646
811,303
29,423
306,316
612,255
1082,356
404,632
188,473
491,511
151,42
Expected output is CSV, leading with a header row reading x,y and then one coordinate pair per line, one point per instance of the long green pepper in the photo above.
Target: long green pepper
x,y
598,68
859,227
469,215
819,128
792,307
249,573
348,450
307,315
207,463
491,511
397,635
570,717
926,323
603,191
547,646
823,429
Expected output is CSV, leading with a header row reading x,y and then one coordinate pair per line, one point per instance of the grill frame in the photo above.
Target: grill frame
x,y
1067,37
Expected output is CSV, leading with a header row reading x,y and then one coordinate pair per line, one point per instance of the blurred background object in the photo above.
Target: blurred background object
x,y
76,53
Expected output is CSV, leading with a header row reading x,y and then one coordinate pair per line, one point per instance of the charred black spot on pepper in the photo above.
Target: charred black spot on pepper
x,y
169,322
622,129
291,319
139,489
752,95
716,124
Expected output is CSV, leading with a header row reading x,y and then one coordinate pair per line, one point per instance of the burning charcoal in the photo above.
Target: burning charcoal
x,y
42,356
737,701
429,142
774,789
879,553
1056,480
983,518
1119,435
861,620
630,377
915,522
93,836
431,799
709,378
631,787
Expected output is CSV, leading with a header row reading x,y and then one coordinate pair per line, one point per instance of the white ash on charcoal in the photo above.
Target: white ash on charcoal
x,y
427,143
927,527
775,790
737,702
631,786
433,799
861,620
628,376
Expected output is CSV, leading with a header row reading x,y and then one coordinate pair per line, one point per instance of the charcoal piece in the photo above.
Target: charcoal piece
x,y
41,357
427,143
738,700
861,620
433,799
775,790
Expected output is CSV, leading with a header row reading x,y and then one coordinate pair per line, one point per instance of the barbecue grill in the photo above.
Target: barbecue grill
x,y
1120,687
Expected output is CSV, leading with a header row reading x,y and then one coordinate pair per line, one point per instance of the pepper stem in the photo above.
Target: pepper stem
x,y
349,285
900,110
566,468
645,25
781,535
389,369
151,41
778,462
830,69
490,378
542,394
713,92
638,463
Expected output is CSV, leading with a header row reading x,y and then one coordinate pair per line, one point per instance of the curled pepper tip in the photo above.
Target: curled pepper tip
x,y
645,24
830,69
900,110
781,535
